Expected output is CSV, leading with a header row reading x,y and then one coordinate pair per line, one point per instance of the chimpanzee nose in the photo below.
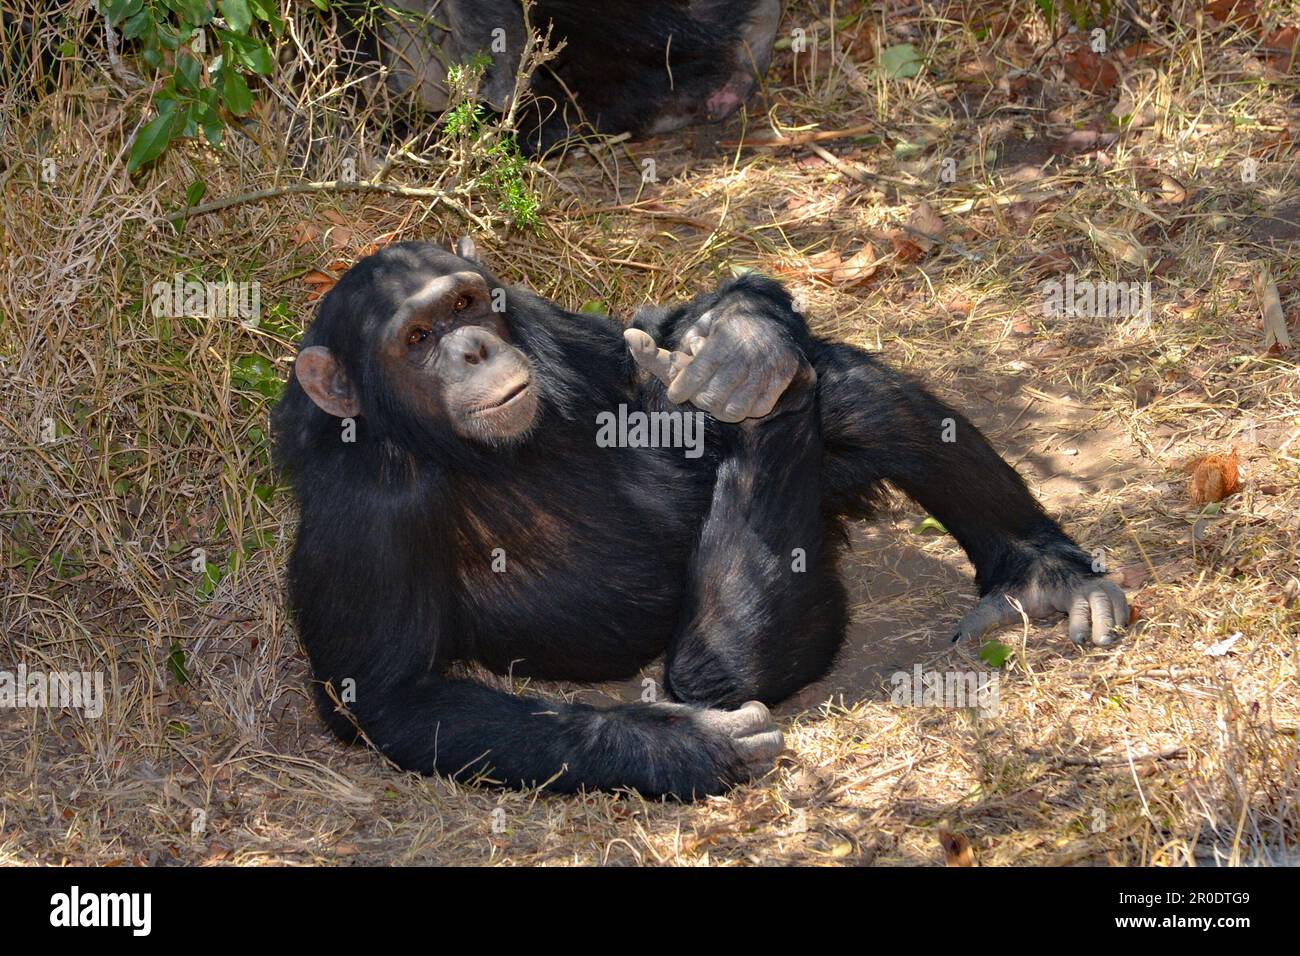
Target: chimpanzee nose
x,y
475,346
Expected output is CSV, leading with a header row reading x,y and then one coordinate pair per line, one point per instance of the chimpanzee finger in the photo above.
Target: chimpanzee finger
x,y
1080,626
716,393
695,376
694,338
1118,601
1105,616
776,386
660,363
992,611
742,402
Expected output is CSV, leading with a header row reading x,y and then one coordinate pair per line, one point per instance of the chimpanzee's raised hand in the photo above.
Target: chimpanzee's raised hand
x,y
735,364
1057,584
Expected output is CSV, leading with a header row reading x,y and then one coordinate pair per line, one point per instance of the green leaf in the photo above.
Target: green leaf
x,y
213,127
168,35
266,10
237,14
193,112
995,653
118,10
150,142
260,60
188,72
900,62
189,11
176,664
929,523
194,192
136,26
594,307
235,93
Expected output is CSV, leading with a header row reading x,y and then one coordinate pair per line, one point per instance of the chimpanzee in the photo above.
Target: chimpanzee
x,y
458,503
638,66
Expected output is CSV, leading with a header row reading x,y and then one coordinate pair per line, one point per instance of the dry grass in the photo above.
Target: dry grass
x,y
1151,753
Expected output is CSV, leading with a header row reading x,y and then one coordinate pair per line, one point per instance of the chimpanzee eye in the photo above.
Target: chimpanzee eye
x,y
461,304
417,335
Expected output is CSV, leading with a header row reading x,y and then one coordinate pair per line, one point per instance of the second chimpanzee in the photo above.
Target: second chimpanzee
x,y
459,503
638,66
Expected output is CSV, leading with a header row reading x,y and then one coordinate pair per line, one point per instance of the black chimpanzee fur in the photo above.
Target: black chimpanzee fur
x,y
613,555
637,66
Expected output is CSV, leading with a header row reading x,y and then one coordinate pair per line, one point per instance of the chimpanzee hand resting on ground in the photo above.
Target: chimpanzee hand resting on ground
x,y
1057,580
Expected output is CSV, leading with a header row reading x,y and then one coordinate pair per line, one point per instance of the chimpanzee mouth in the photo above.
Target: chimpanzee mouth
x,y
512,395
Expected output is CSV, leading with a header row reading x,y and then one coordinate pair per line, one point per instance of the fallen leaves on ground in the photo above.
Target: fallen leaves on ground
x,y
1090,71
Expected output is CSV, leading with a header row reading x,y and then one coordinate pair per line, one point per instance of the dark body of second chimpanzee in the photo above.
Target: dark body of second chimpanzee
x,y
474,516
635,66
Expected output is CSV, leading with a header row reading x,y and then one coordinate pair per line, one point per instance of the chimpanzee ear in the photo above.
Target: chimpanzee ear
x,y
322,377
465,249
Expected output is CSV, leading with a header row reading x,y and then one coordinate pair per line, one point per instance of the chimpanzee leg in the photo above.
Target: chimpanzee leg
x,y
880,426
765,612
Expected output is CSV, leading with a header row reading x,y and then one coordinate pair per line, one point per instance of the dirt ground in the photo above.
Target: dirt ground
x,y
1170,158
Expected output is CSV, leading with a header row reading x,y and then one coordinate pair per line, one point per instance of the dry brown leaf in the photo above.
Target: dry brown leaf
x,y
857,268
905,250
1232,11
1138,51
304,233
1051,261
957,850
982,66
318,283
1090,71
1131,576
1213,477
1172,191
1283,39
926,225
340,237
1118,243
819,267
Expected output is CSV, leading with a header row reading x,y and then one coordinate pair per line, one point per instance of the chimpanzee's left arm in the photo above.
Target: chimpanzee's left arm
x,y
736,359
880,425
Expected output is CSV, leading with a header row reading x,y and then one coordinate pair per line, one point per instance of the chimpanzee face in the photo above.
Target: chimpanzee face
x,y
438,352
447,353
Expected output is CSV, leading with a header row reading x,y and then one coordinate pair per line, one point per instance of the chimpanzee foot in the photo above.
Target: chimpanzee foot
x,y
1097,608
755,737
744,742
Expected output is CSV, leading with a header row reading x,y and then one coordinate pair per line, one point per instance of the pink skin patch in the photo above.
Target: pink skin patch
x,y
722,103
